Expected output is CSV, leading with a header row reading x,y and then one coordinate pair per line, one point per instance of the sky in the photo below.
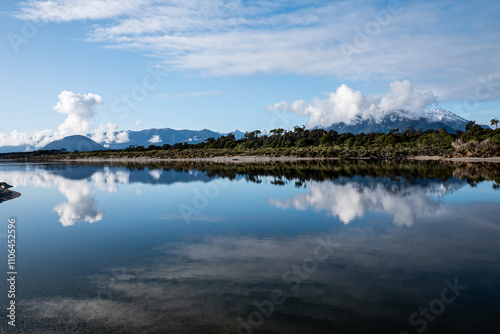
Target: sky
x,y
101,67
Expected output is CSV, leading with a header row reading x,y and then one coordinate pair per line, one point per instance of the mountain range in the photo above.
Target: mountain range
x,y
431,119
169,136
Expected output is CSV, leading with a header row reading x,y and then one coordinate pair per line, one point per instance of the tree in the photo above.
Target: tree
x,y
210,140
495,122
469,126
299,131
277,132
410,131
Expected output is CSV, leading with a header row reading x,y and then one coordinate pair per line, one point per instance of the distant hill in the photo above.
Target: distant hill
x,y
165,136
74,143
238,134
20,148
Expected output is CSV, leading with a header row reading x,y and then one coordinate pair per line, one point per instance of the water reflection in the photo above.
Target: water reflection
x,y
144,274
370,280
345,190
81,205
80,183
350,198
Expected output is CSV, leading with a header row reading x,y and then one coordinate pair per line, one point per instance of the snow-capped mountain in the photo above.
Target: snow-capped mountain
x,y
431,119
169,136
163,136
446,117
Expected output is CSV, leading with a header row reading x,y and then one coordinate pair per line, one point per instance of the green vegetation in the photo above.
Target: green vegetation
x,y
300,142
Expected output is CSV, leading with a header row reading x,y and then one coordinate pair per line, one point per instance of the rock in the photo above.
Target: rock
x,y
6,194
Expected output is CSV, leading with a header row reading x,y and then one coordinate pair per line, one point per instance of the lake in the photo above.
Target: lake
x,y
316,247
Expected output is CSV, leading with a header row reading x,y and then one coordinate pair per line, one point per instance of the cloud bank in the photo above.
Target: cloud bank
x,y
350,106
80,110
439,44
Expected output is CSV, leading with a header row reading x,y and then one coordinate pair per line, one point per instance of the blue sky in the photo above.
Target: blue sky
x,y
227,65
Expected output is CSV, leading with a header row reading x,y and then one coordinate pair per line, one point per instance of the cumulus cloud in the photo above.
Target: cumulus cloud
x,y
350,106
155,139
108,133
80,110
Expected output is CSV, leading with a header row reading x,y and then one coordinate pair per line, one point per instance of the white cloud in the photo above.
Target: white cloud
x,y
36,138
138,123
69,10
155,139
442,45
350,106
108,133
80,110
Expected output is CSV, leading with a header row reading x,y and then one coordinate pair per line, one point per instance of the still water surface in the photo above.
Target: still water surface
x,y
331,247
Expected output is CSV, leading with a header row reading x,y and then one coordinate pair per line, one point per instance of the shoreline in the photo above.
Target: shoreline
x,y
265,159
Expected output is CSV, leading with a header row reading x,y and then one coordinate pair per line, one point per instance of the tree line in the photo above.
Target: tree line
x,y
435,141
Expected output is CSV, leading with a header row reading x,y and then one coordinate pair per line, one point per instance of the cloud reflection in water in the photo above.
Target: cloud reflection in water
x,y
348,199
